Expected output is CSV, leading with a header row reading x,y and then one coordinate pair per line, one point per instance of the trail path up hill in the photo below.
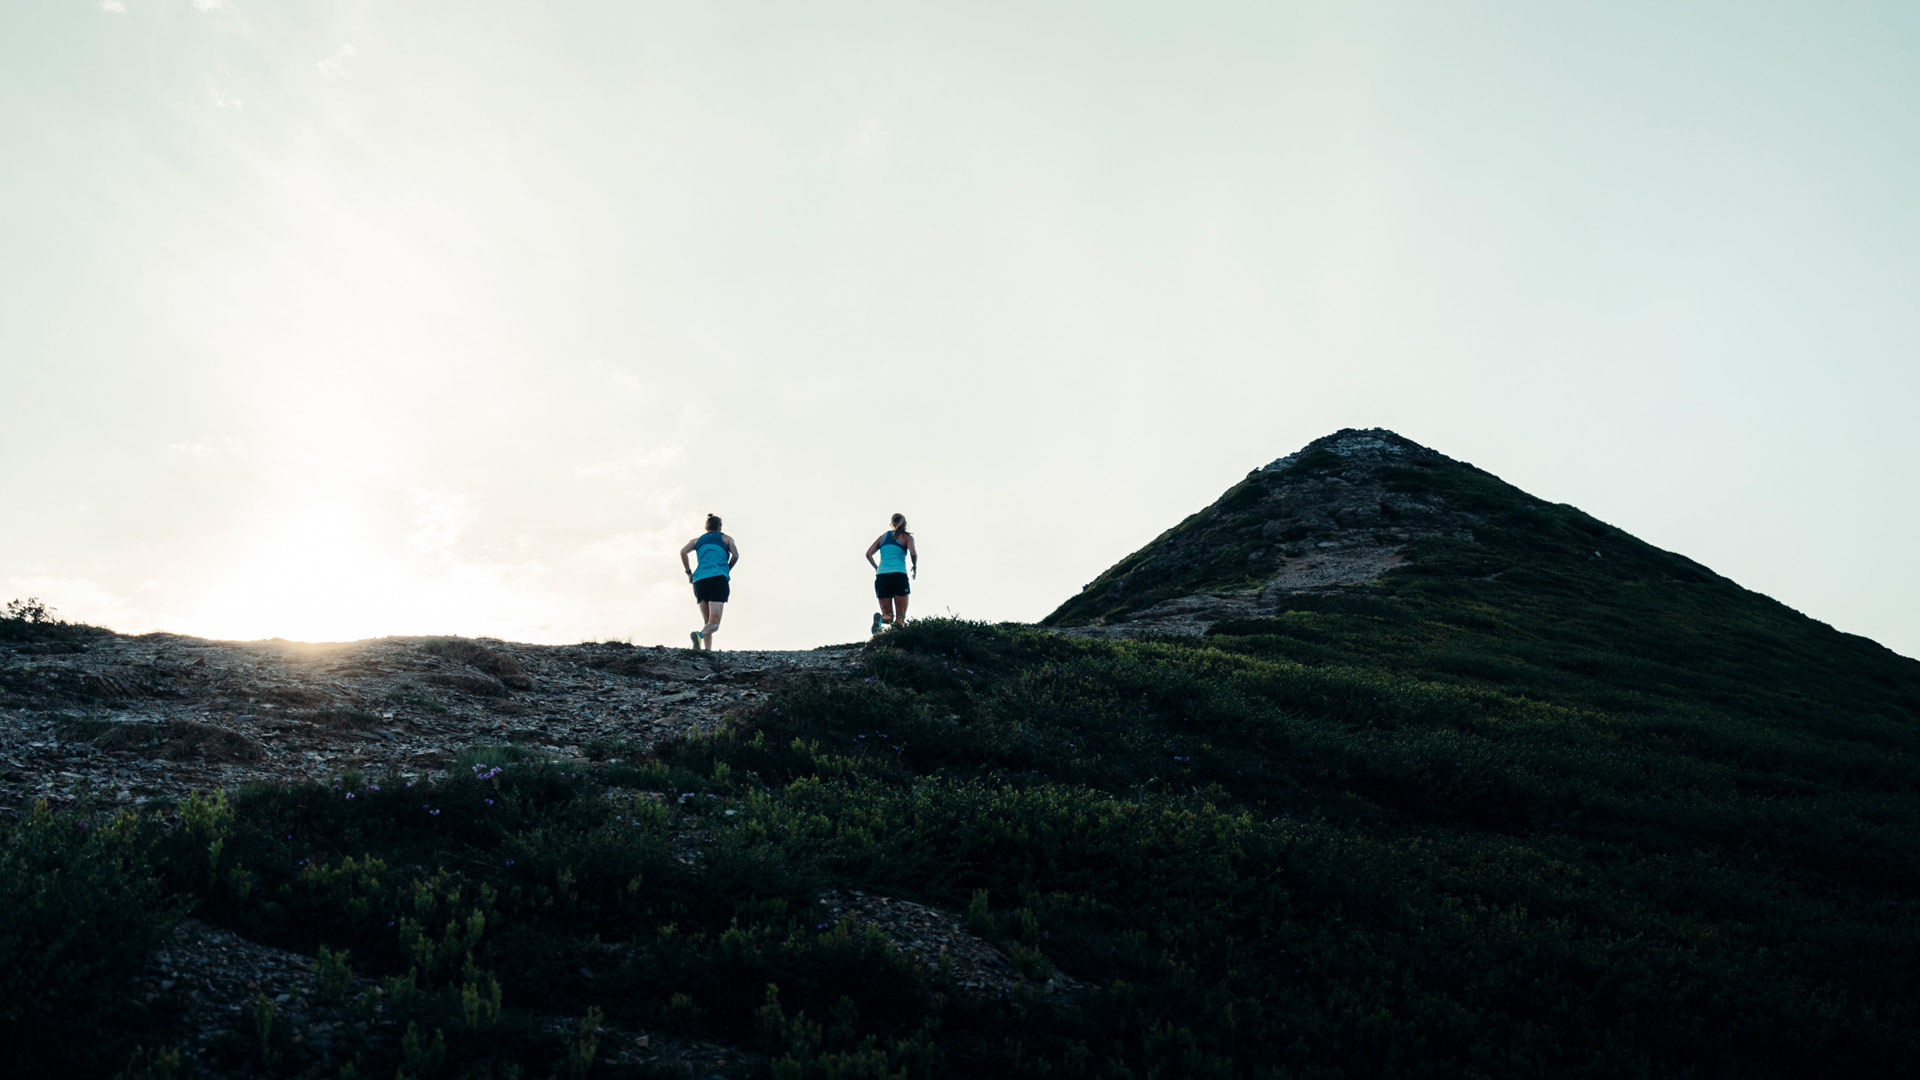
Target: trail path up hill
x,y
130,719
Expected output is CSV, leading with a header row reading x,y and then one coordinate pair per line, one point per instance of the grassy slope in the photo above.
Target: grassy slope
x,y
1214,550
1549,803
1274,859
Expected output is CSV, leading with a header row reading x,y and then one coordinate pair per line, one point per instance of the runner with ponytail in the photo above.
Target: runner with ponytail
x,y
891,582
711,578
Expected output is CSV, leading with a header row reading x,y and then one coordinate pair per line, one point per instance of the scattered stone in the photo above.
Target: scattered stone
x,y
937,938
134,719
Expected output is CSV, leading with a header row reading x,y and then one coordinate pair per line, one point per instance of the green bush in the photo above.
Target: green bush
x,y
31,620
84,911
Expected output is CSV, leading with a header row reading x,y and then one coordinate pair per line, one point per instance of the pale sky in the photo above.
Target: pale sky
x,y
330,319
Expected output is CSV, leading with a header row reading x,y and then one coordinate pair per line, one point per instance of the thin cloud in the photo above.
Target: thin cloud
x,y
223,100
114,6
620,377
209,5
642,462
336,65
210,449
440,519
868,142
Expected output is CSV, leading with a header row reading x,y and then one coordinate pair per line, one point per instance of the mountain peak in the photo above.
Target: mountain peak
x,y
1347,510
1372,446
1339,511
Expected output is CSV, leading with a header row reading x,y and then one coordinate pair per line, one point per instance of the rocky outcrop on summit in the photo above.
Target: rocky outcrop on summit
x,y
1343,510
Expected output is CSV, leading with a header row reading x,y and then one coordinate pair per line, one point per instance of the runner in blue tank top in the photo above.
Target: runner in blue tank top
x,y
711,576
890,583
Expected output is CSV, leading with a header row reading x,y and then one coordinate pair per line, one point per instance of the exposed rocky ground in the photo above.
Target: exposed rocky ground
x,y
940,939
124,721
129,719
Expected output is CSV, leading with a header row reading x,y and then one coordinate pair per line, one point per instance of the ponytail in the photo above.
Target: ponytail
x,y
900,523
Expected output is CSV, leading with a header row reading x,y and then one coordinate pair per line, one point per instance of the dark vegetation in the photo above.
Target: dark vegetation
x,y
1269,863
1547,801
30,622
505,672
1220,549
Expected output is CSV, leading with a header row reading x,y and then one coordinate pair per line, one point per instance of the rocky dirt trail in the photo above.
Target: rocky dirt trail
x,y
131,719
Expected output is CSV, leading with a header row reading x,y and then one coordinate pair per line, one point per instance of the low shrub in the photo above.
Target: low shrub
x,y
488,659
32,621
84,909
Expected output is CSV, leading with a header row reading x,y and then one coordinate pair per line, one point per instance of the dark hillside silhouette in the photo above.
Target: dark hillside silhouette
x,y
1378,766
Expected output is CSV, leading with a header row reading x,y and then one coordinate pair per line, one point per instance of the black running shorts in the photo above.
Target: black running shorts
x,y
713,589
886,586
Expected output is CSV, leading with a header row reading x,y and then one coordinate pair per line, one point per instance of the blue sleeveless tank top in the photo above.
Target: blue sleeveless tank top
x,y
712,553
893,555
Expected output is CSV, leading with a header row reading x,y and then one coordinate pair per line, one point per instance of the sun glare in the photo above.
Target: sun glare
x,y
317,575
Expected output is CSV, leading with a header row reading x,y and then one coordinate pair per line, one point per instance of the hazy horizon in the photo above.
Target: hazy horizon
x,y
333,319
